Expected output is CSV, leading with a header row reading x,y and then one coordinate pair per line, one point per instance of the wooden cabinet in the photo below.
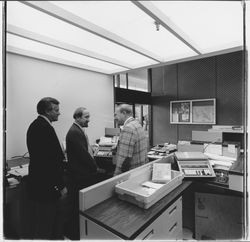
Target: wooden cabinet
x,y
218,216
167,226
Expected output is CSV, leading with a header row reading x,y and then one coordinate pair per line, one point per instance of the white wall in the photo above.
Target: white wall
x,y
28,80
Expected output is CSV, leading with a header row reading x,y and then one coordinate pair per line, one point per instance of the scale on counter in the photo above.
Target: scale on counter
x,y
194,164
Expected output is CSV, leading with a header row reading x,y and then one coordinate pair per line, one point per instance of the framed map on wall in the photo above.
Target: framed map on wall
x,y
199,111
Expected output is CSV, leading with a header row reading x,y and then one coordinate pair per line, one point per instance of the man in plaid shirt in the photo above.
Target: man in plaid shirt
x,y
132,146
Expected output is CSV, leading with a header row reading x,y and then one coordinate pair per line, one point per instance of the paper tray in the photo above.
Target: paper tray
x,y
132,190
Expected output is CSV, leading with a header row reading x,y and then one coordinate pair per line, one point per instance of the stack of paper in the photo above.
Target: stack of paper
x,y
161,172
192,155
219,161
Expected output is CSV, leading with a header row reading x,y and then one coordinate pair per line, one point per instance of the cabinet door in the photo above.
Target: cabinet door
x,y
91,230
167,226
218,216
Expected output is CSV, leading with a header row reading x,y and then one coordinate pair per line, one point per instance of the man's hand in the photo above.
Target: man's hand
x,y
64,192
114,148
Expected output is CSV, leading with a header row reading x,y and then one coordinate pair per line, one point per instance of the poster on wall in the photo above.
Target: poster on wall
x,y
180,112
200,111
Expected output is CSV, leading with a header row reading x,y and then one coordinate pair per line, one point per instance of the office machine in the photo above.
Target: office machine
x,y
194,164
110,132
104,151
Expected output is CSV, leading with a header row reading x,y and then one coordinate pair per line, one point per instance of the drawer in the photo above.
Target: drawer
x,y
174,231
153,231
174,211
167,225
173,221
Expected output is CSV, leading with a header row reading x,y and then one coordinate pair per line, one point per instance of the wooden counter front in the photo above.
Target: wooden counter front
x,y
128,220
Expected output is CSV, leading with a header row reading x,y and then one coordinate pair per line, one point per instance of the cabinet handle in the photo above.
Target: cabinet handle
x,y
171,211
199,216
86,227
148,235
172,228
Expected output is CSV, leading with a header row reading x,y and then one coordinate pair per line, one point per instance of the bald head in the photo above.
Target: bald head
x,y
81,116
122,113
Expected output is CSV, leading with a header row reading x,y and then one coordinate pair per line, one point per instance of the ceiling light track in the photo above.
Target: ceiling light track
x,y
161,19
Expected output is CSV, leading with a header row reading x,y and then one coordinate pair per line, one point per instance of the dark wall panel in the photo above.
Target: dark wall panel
x,y
163,131
157,80
196,79
170,81
230,89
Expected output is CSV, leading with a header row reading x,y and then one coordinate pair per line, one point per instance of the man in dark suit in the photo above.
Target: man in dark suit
x,y
82,168
45,180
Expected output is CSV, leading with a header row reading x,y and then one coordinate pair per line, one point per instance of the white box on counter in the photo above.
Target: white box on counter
x,y
133,190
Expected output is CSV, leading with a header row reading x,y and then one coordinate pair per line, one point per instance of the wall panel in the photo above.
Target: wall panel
x,y
161,110
163,131
157,81
196,79
219,77
230,89
170,81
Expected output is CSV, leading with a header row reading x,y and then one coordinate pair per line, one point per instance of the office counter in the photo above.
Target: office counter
x,y
206,208
128,221
104,216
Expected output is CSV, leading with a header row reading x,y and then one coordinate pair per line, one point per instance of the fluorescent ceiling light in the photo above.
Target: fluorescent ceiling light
x,y
213,25
43,49
128,21
33,20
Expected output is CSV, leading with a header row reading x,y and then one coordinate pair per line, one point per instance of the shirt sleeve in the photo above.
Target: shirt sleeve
x,y
125,148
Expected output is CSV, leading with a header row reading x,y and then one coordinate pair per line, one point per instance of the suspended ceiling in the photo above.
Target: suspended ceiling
x,y
118,36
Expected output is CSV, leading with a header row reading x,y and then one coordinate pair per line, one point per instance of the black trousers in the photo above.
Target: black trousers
x,y
48,219
72,227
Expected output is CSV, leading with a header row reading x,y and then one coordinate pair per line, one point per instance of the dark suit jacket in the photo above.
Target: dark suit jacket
x,y
46,161
81,164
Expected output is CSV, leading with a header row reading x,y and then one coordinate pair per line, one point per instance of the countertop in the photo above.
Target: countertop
x,y
128,220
